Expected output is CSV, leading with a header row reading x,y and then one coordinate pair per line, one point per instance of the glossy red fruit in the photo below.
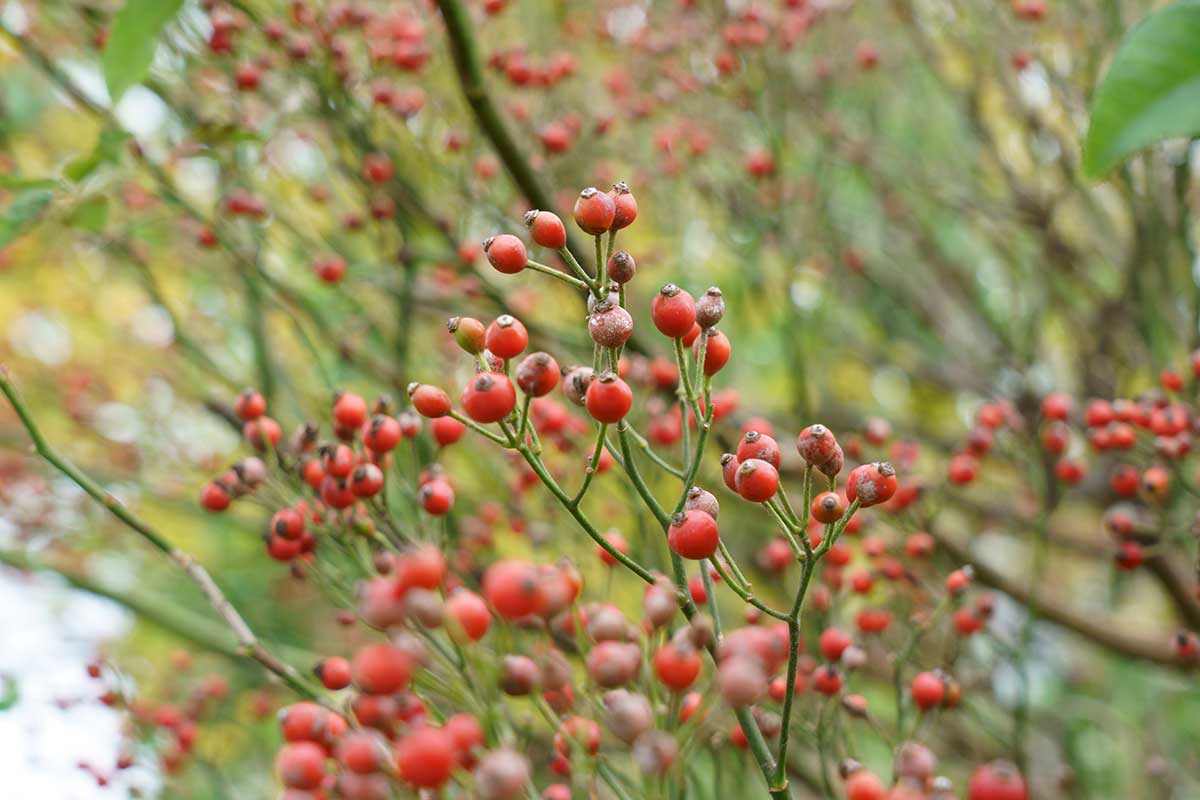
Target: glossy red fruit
x,y
717,351
729,465
436,497
537,374
470,614
381,668
381,434
677,665
827,680
287,523
546,229
377,168
863,785
834,642
514,589
928,689
250,404
334,673
506,253
759,445
1057,406
214,497
693,534
429,401
577,734
489,397
871,484
608,398
301,765
827,507
673,311
998,780
366,480
594,211
618,543
447,430
425,757
329,268
625,207
756,480
506,337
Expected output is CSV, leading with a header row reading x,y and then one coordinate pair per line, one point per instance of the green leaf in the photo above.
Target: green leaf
x,y
24,210
107,150
18,182
90,215
1151,91
131,44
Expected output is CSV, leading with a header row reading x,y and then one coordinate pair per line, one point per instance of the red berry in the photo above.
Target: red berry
x,y
470,612
759,445
514,589
377,168
693,534
287,523
447,430
366,480
827,507
717,350
506,253
489,397
756,480
381,669
928,690
673,311
618,543
871,484
1057,406
537,374
350,411
546,229
594,211
999,780
625,208
329,268
250,404
610,325
436,497
816,444
334,673
577,733
863,785
827,680
214,497
429,401
834,642
382,434
425,757
608,398
677,665
301,765
506,337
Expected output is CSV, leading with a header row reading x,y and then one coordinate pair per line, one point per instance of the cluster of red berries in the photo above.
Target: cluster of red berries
x,y
444,612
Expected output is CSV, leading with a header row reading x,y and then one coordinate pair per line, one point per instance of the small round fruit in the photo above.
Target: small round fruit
x,y
756,480
608,398
717,351
594,211
489,397
506,337
425,757
693,534
673,311
827,507
871,484
546,229
537,374
625,208
506,253
429,401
